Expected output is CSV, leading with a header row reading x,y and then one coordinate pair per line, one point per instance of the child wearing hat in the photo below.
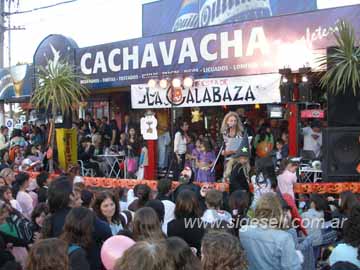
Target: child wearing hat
x,y
237,169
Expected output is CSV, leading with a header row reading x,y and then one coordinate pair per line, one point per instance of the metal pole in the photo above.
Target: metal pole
x,y
172,118
9,33
2,32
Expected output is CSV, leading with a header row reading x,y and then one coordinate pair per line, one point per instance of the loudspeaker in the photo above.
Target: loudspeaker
x,y
286,90
341,154
343,109
305,92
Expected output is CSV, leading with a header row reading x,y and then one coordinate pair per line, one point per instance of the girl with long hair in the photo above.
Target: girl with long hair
x,y
48,254
237,173
287,176
239,203
266,244
204,163
221,250
187,208
77,233
107,208
349,251
232,130
19,191
180,148
182,255
264,180
146,255
146,225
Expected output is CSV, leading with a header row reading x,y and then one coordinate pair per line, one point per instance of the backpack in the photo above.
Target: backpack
x,y
21,227
72,248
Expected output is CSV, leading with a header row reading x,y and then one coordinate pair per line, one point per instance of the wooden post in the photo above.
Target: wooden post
x,y
293,129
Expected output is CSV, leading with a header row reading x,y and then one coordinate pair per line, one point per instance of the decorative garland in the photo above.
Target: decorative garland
x,y
300,188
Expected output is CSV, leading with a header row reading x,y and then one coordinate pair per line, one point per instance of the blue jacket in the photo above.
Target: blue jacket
x,y
269,249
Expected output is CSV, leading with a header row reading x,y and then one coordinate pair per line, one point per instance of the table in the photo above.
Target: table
x,y
309,175
114,161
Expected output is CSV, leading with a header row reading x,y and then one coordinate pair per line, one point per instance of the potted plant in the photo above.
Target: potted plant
x,y
342,62
58,90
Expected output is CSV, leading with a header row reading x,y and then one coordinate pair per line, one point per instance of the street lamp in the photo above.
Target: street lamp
x,y
163,83
152,83
176,83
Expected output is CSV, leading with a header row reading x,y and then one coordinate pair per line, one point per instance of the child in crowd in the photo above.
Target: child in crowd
x,y
205,160
279,145
214,202
314,217
287,176
38,217
261,180
42,181
189,148
19,157
195,156
238,167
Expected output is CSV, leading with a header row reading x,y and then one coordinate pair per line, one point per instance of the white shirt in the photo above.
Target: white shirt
x,y
179,144
169,215
344,253
212,215
311,143
26,203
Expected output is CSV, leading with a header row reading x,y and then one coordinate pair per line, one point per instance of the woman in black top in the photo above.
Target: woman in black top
x,y
60,199
86,155
115,133
187,210
133,143
122,148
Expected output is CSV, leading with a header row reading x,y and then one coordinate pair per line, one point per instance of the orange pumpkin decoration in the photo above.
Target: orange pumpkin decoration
x,y
264,148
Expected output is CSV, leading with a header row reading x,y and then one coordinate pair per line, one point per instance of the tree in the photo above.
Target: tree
x,y
57,89
342,63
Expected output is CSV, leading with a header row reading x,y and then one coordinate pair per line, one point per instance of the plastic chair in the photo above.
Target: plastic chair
x,y
85,171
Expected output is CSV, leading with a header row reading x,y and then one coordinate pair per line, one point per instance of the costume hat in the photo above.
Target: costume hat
x,y
244,148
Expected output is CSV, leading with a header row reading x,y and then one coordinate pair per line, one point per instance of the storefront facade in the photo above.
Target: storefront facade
x,y
233,65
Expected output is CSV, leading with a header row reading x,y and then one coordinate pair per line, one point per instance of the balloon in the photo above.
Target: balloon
x,y
263,149
113,249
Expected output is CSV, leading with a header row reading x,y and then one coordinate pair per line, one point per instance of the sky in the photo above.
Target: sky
x,y
88,22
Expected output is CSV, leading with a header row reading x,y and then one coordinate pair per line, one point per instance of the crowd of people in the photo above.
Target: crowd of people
x,y
62,224
190,147
259,223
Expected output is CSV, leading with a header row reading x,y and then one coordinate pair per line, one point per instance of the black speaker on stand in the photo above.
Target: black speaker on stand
x,y
341,154
341,140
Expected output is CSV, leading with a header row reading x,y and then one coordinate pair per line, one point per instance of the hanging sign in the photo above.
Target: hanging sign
x,y
261,89
9,123
148,127
313,114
